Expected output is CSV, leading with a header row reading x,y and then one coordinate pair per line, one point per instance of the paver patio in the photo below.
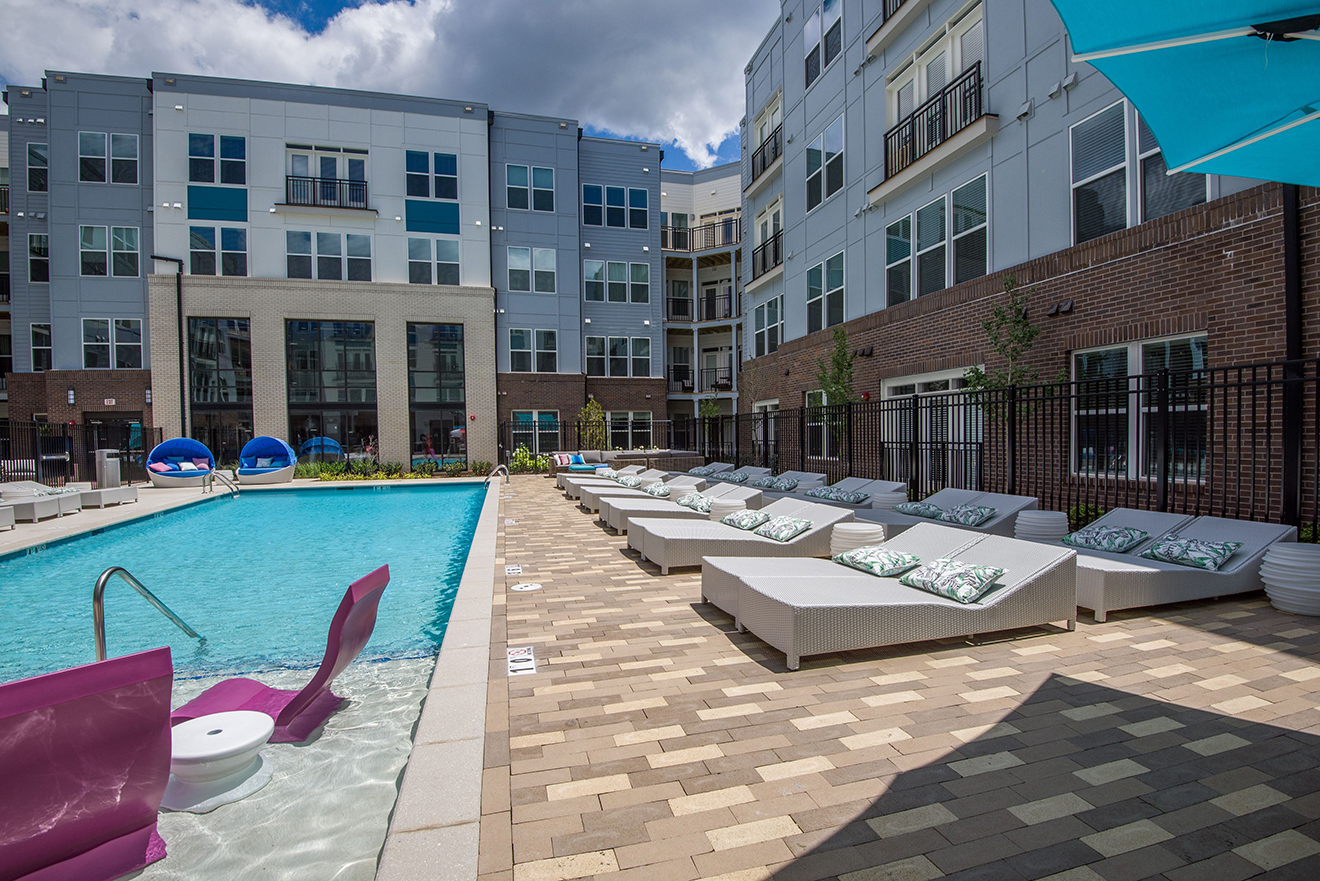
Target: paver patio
x,y
654,741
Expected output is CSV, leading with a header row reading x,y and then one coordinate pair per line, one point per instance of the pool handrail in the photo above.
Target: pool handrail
x,y
496,470
98,606
216,475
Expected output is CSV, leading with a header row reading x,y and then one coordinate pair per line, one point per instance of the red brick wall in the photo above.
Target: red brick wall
x,y
568,393
32,393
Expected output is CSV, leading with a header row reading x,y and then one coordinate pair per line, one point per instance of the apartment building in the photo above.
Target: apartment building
x,y
902,157
6,340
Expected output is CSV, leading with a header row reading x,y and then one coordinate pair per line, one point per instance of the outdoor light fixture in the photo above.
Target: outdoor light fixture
x,y
586,321
70,396
646,322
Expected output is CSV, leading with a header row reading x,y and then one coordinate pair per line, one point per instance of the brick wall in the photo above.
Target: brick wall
x,y
48,393
1216,268
569,392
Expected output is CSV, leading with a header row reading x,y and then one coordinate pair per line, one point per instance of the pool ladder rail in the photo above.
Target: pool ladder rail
x,y
98,606
497,470
208,484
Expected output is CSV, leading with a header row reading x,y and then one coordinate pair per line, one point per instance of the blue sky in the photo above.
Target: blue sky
x,y
624,68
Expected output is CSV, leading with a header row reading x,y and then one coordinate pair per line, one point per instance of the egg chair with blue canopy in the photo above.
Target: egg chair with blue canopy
x,y
180,461
266,459
326,448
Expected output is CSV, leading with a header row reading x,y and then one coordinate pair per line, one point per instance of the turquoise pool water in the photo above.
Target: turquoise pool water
x,y
259,576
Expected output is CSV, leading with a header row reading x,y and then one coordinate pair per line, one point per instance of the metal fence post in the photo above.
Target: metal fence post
x,y
1162,440
914,449
802,438
848,428
1012,440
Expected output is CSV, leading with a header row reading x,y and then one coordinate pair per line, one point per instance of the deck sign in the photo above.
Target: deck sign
x,y
513,569
521,661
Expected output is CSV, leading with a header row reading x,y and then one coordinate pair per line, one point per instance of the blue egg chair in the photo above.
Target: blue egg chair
x,y
266,459
322,449
180,461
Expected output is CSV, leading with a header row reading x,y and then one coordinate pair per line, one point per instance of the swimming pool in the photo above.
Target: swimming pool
x,y
259,576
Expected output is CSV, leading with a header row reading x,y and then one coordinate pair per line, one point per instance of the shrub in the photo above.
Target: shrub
x,y
454,469
307,469
1309,533
423,469
1081,515
523,462
332,471
481,467
392,470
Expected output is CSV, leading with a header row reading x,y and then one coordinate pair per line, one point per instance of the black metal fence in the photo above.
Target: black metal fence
x,y
765,155
767,255
325,192
946,113
59,453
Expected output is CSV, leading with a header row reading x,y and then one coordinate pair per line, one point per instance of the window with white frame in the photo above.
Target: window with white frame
x,y
629,429
119,165
209,165
529,187
768,120
124,251
424,180
123,159
1163,193
537,430
93,248
543,270
547,351
1114,407
232,250
932,234
822,38
444,269
640,287
961,218
128,343
769,326
38,168
769,220
596,356
616,212
825,294
898,261
520,269
298,253
593,280
38,257
338,256
41,347
543,189
969,225
617,282
641,356
618,357
92,159
638,210
1099,173
593,205
447,263
520,350
819,424
950,429
959,46
96,343
825,164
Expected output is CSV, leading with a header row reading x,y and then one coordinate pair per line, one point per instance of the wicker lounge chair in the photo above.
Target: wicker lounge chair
x,y
810,615
69,498
751,472
573,485
1107,582
617,511
30,510
848,484
563,477
7,517
592,495
1006,510
671,543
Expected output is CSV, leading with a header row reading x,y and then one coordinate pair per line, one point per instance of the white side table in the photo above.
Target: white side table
x,y
719,508
1291,572
216,759
846,536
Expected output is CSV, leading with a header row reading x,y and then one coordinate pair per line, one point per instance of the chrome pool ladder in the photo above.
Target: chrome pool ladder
x,y
98,606
216,475
496,470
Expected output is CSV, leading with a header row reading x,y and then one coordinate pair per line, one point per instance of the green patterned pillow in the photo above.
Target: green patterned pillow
x,y
920,509
734,476
1115,539
968,515
765,482
785,484
607,472
961,582
820,492
659,490
697,502
745,519
878,560
700,470
1195,552
631,481
783,528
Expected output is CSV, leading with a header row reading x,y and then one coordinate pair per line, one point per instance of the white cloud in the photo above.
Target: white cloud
x,y
664,72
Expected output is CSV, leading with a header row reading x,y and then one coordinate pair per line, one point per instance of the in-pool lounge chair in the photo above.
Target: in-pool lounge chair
x,y
299,713
84,759
616,511
563,477
266,459
1107,582
593,495
824,607
1002,523
574,484
180,461
671,543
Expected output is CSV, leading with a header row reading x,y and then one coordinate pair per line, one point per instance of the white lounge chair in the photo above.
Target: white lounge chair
x,y
1002,523
592,495
32,509
824,607
671,543
617,511
563,477
7,516
573,485
751,472
871,488
69,498
1107,582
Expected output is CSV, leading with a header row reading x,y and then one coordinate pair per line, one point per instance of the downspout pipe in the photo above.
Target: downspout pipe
x,y
183,355
1293,397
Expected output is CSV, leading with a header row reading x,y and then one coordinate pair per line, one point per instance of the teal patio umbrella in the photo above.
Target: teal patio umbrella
x,y
1227,88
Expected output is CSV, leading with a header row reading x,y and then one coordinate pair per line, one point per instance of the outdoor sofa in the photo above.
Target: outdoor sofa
x,y
667,460
617,511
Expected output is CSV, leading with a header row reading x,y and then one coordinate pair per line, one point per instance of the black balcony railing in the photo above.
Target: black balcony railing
x,y
891,9
951,110
768,255
765,155
4,199
682,380
712,307
720,234
717,379
325,192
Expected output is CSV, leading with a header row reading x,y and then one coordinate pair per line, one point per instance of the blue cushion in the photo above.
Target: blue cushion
x,y
582,467
575,459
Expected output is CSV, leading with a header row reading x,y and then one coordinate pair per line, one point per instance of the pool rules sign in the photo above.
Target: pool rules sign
x,y
521,661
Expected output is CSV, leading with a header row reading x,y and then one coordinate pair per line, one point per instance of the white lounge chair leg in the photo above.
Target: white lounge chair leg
x,y
794,661
664,570
1071,624
1100,616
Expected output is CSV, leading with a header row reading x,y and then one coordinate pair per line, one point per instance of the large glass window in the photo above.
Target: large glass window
x,y
41,347
38,168
220,383
1099,173
593,205
331,367
825,164
825,294
203,159
437,398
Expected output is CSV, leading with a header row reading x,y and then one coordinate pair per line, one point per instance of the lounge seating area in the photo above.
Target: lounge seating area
x,y
266,460
579,461
180,461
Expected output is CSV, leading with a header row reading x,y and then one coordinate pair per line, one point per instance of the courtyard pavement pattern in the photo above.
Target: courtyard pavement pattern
x,y
654,741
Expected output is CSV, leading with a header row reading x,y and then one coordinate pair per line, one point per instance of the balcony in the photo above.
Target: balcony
x,y
683,380
768,255
4,289
717,379
894,17
4,199
947,124
721,234
325,192
719,307
763,158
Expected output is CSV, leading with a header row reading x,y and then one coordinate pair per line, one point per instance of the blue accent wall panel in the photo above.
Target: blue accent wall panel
x,y
218,203
434,217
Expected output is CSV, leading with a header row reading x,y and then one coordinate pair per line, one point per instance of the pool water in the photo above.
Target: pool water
x,y
259,577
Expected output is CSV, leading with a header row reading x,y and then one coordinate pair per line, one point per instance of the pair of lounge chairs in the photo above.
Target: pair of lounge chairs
x,y
1108,581
618,511
671,543
590,497
869,488
1007,507
809,606
30,501
569,482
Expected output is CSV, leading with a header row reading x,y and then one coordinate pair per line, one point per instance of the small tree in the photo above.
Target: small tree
x,y
708,408
1011,335
593,431
836,375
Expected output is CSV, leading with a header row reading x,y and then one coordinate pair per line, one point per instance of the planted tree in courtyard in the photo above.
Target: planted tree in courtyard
x,y
836,375
593,430
1010,334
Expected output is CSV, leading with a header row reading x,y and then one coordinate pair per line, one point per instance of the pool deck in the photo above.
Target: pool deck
x,y
654,741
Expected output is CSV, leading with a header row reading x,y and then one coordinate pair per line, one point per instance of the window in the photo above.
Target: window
x,y
446,176
520,350
826,21
1115,408
331,381
641,356
359,256
595,356
898,261
418,177
959,46
618,356
825,164
38,257
629,429
447,261
124,159
617,277
825,294
128,343
1162,193
547,350
419,261
543,189
593,205
437,397
820,425
202,159
329,256
520,269
769,327
970,222
641,282
961,219
124,251
96,343
298,247
517,183
543,275
931,236
593,280
92,248
615,212
41,349
220,381
202,251
1099,173
537,430
38,167
637,210
91,157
